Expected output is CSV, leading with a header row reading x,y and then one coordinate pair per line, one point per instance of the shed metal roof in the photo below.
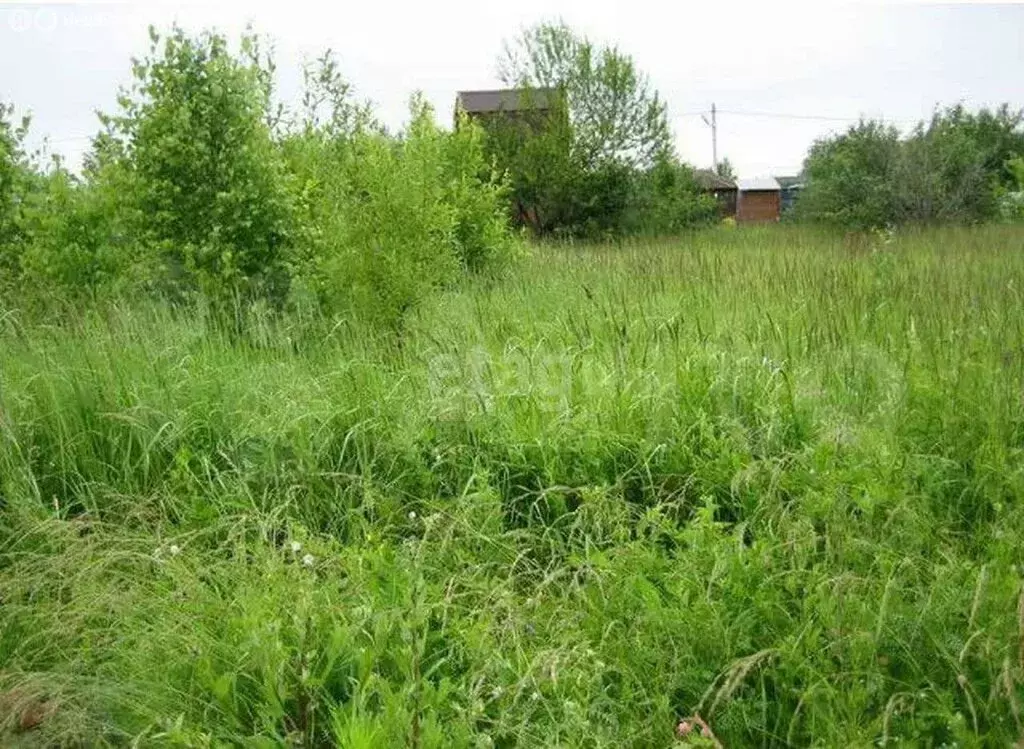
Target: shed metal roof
x,y
758,184
505,100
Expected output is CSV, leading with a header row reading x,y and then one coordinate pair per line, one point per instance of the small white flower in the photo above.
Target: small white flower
x,y
535,696
308,560
296,547
412,514
175,550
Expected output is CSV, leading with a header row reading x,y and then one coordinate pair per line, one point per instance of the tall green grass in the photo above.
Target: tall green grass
x,y
771,477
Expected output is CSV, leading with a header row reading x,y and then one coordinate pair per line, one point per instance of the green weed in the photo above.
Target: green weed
x,y
770,477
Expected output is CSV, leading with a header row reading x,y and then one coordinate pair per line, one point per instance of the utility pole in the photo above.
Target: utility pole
x,y
714,136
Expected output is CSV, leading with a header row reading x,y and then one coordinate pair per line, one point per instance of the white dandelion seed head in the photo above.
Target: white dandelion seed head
x,y
412,514
175,550
308,560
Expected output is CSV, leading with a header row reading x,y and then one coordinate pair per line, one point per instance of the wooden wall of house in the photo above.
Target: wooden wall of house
x,y
758,205
726,203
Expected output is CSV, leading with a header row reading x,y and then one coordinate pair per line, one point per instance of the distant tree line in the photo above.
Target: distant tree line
x,y
960,167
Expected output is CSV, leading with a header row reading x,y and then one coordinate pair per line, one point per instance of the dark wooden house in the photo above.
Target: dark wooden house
x,y
531,106
512,117
721,188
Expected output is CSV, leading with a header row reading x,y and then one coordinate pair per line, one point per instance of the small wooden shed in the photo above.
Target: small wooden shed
x,y
721,188
760,200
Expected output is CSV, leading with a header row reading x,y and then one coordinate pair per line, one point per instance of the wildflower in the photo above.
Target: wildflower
x,y
535,696
175,550
308,560
296,547
412,514
688,725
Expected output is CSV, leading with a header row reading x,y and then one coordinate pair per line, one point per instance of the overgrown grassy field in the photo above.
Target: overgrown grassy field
x,y
771,477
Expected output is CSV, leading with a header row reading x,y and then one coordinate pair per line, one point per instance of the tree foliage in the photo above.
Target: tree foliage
x,y
200,187
951,169
851,179
388,219
725,169
193,139
617,116
586,168
16,176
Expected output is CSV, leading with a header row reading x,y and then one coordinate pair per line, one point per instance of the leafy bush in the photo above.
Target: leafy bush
x,y
16,179
389,219
851,179
951,170
1011,200
599,161
205,178
200,189
668,201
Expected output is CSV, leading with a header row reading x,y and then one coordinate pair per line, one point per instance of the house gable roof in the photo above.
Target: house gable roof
x,y
505,100
709,180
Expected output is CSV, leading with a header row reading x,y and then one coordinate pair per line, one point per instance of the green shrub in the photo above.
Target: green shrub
x,y
667,201
16,182
390,219
1011,199
951,170
599,161
199,190
202,174
851,179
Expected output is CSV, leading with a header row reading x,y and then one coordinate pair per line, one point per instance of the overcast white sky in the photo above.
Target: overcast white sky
x,y
809,61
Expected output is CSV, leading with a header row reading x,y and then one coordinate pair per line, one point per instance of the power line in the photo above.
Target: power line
x,y
786,116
